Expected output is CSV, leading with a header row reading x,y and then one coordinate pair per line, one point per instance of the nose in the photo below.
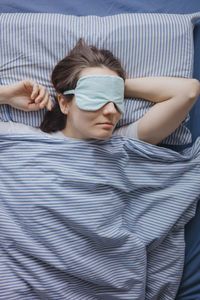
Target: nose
x,y
109,108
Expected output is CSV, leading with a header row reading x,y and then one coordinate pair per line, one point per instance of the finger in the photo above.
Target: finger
x,y
49,104
44,101
41,94
35,91
33,107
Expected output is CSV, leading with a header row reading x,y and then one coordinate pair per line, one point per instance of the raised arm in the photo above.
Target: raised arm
x,y
25,95
174,97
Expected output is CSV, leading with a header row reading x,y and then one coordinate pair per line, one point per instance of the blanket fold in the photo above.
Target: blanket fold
x,y
93,219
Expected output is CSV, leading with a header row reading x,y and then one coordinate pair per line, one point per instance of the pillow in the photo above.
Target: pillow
x,y
147,45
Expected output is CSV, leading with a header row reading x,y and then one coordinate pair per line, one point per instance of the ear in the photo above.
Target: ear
x,y
64,105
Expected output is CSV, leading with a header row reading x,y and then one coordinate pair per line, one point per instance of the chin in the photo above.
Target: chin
x,y
103,137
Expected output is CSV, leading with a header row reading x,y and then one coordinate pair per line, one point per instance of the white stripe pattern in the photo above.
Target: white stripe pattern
x,y
93,219
147,45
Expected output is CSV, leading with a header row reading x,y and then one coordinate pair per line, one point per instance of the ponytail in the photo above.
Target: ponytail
x,y
54,120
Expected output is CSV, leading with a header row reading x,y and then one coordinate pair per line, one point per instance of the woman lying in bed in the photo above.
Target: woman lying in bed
x,y
84,217
90,87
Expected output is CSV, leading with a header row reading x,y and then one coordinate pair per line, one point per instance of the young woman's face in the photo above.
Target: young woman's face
x,y
82,124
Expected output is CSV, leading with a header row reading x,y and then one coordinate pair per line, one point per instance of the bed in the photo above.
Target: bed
x,y
190,283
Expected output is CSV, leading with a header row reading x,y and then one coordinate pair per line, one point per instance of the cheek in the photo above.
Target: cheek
x,y
85,118
119,116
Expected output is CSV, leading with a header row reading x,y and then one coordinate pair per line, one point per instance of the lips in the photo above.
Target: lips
x,y
106,123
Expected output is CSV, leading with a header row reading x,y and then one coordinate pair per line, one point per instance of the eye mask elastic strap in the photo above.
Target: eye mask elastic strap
x,y
69,92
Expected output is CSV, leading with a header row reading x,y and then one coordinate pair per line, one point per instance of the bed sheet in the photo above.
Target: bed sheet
x,y
100,8
190,287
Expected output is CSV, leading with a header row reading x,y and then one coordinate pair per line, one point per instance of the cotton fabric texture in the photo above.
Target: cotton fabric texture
x,y
147,44
93,219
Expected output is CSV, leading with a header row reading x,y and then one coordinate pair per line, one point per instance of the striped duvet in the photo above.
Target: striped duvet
x,y
93,219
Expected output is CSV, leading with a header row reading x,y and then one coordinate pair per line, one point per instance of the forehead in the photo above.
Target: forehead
x,y
97,71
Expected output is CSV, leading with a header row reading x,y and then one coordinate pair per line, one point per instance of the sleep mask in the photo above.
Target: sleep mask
x,y
93,91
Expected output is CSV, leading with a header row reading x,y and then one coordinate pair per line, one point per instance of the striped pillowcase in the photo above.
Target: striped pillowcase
x,y
147,45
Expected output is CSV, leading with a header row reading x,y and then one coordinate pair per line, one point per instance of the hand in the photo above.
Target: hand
x,y
28,96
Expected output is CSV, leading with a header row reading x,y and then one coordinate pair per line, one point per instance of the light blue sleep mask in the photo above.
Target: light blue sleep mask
x,y
94,91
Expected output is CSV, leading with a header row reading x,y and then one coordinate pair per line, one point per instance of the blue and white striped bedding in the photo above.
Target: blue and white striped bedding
x,y
146,44
93,219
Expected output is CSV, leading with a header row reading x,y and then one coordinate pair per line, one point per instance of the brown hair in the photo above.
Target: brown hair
x,y
66,74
